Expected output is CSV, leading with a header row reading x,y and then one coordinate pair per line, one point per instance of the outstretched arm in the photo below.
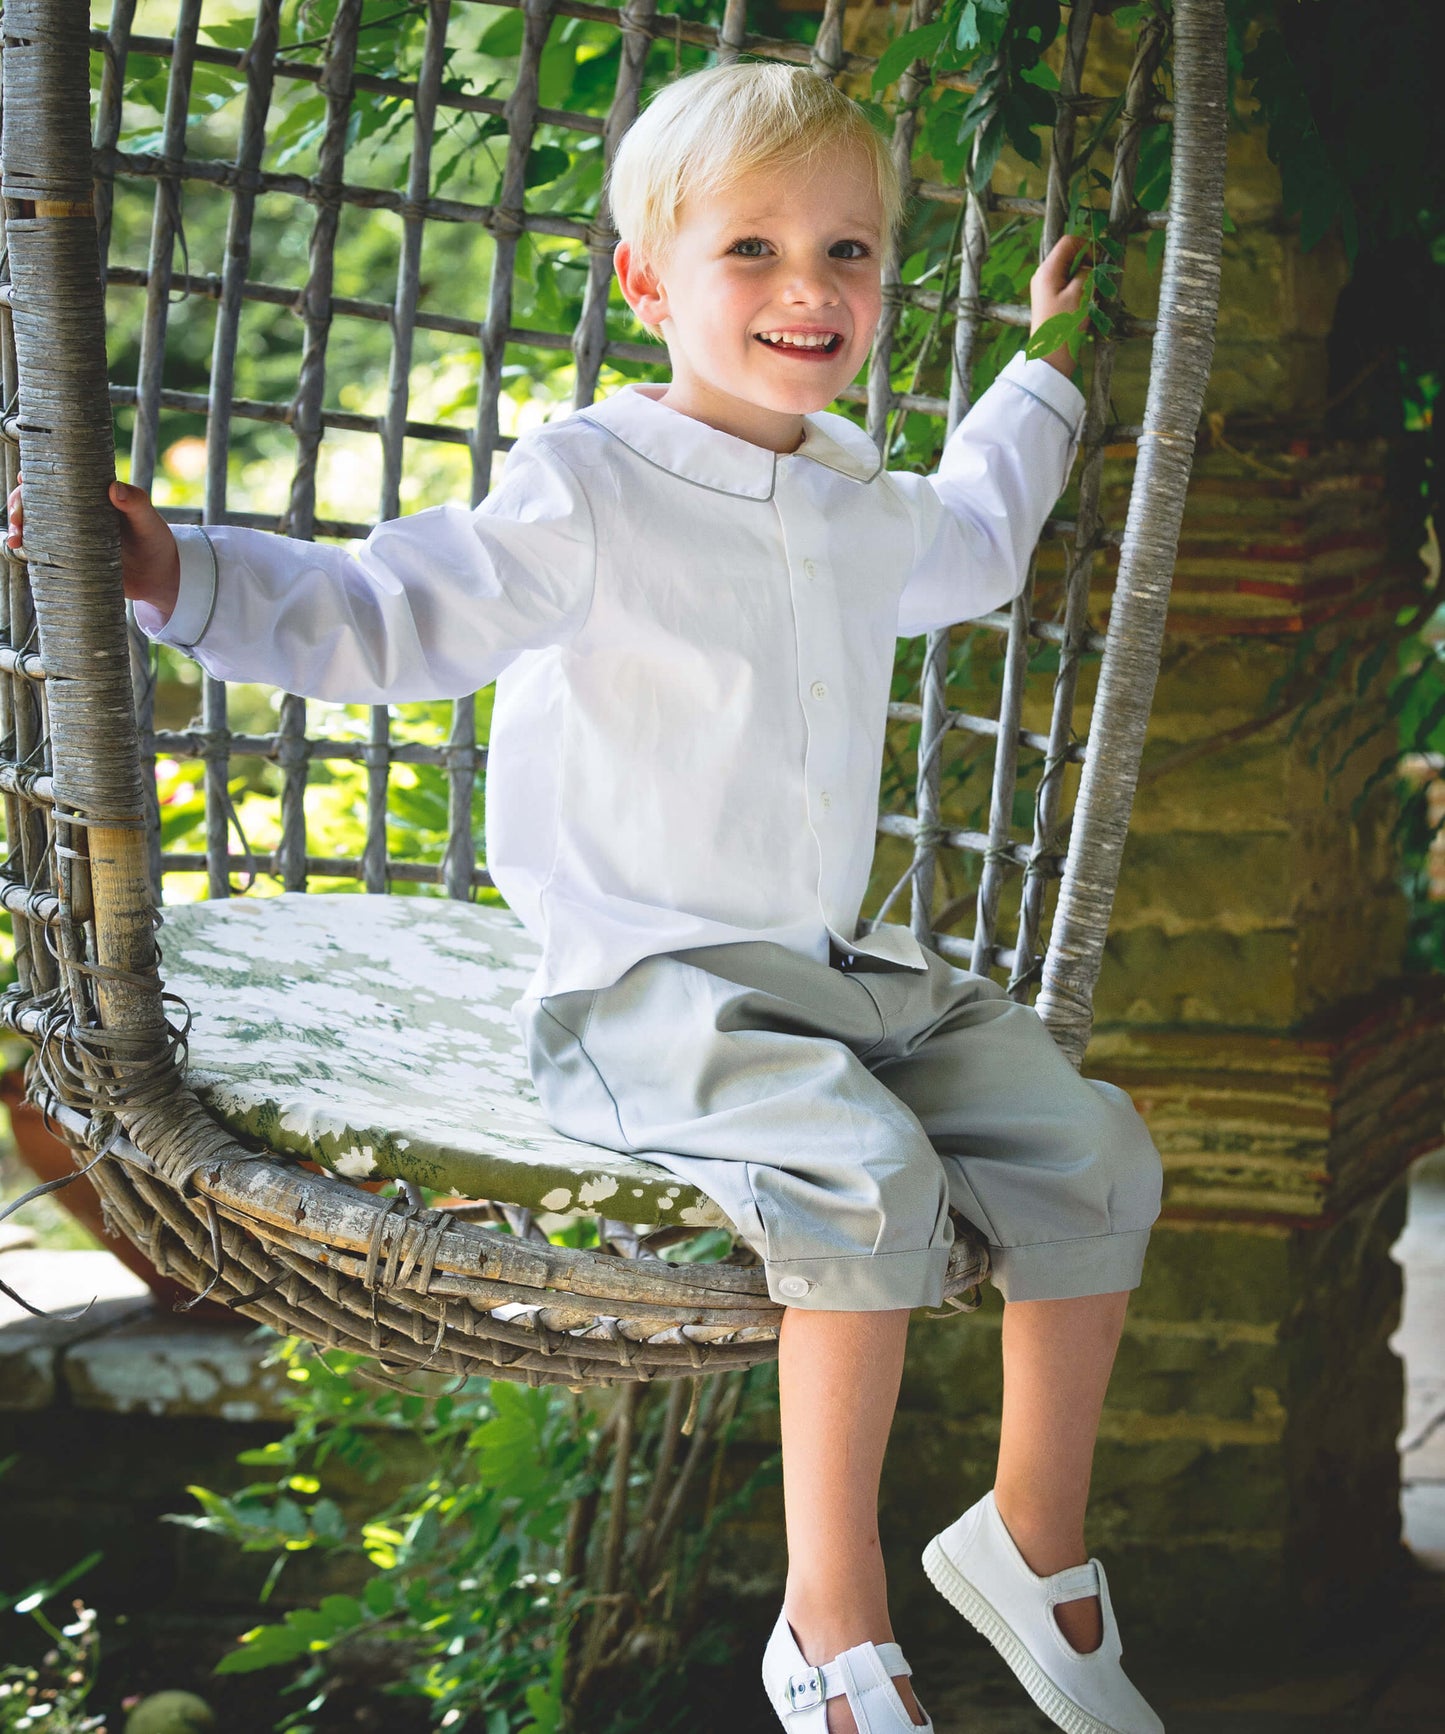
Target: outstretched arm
x,y
1004,465
433,605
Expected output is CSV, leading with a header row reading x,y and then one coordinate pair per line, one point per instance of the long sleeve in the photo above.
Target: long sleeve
x,y
978,517
433,605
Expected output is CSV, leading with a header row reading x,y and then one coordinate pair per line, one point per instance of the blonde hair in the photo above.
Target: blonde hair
x,y
701,133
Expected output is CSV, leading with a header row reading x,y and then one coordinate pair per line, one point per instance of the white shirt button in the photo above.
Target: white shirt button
x,y
794,1287
825,800
810,567
819,689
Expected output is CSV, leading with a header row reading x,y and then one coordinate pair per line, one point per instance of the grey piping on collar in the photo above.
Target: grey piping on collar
x,y
1073,431
692,481
739,493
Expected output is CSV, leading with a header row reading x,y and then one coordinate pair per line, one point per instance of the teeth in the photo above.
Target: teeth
x,y
797,340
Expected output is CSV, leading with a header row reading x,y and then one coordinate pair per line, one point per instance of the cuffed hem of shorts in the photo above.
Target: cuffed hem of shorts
x,y
1067,1269
861,1282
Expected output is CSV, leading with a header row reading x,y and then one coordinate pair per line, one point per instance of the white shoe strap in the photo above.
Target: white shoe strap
x,y
827,1680
1075,1581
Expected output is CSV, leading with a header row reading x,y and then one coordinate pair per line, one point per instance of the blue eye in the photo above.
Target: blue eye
x,y
748,241
864,251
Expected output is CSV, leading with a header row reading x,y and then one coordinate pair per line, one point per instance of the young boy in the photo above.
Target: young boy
x,y
690,597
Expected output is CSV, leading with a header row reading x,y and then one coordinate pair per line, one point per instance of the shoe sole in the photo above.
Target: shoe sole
x,y
951,1584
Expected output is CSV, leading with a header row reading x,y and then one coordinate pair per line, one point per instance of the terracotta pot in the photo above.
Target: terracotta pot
x,y
49,1158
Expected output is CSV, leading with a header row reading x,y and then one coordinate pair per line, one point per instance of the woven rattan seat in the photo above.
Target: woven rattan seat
x,y
187,1071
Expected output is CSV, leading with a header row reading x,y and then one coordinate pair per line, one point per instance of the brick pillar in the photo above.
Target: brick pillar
x,y
1252,1005
1246,1483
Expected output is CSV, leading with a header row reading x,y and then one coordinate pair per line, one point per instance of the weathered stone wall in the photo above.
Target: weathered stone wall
x,y
1247,1479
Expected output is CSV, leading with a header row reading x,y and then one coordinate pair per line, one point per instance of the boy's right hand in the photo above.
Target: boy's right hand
x,y
150,563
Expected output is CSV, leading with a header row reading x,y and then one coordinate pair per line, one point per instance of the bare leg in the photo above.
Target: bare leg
x,y
1057,1358
838,1379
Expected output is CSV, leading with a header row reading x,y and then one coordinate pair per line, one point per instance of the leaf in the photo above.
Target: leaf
x,y
327,1520
546,1708
342,1612
38,1594
508,1446
545,163
1027,109
150,89
503,40
1055,333
990,148
1043,76
967,36
302,127
212,87
380,1595
237,33
267,1456
262,1647
904,50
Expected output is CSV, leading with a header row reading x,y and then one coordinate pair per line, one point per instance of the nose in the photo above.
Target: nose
x,y
813,285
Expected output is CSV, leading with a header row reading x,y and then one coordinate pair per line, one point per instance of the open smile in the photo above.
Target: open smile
x,y
802,345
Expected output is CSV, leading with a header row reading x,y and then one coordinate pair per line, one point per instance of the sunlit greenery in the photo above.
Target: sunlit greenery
x,y
476,1576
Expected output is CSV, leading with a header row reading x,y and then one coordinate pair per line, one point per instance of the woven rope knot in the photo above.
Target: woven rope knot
x,y
507,222
1043,863
326,196
291,751
637,19
601,238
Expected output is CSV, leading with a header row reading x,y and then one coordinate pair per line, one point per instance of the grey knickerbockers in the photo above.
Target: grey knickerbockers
x,y
835,1111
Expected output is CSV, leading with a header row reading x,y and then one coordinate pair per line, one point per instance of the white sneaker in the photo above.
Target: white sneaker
x,y
799,1692
975,1564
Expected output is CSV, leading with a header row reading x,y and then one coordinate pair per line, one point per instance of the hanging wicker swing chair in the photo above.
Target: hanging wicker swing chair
x,y
237,1076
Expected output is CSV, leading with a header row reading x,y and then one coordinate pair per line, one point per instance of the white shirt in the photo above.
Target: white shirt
x,y
693,641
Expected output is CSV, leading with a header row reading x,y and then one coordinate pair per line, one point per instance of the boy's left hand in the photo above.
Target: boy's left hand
x,y
1052,290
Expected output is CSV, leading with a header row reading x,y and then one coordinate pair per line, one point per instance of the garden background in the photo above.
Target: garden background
x,y
1271,996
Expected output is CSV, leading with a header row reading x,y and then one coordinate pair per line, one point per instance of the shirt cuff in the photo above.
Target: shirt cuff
x,y
1042,381
196,598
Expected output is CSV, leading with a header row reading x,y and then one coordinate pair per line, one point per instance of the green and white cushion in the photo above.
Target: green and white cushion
x,y
374,1035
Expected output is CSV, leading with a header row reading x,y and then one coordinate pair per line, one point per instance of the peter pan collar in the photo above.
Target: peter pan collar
x,y
721,461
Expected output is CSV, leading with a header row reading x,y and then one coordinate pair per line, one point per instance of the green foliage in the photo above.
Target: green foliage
x,y
1351,120
1352,114
477,1573
1355,127
54,1694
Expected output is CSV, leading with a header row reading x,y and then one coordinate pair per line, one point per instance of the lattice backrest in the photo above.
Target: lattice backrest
x,y
238,159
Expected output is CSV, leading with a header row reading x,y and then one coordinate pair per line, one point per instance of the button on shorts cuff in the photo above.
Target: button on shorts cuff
x,y
1066,1269
861,1283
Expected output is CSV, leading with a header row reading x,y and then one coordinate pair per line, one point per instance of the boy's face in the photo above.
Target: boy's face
x,y
780,251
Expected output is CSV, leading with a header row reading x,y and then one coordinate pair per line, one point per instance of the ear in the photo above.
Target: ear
x,y
641,286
